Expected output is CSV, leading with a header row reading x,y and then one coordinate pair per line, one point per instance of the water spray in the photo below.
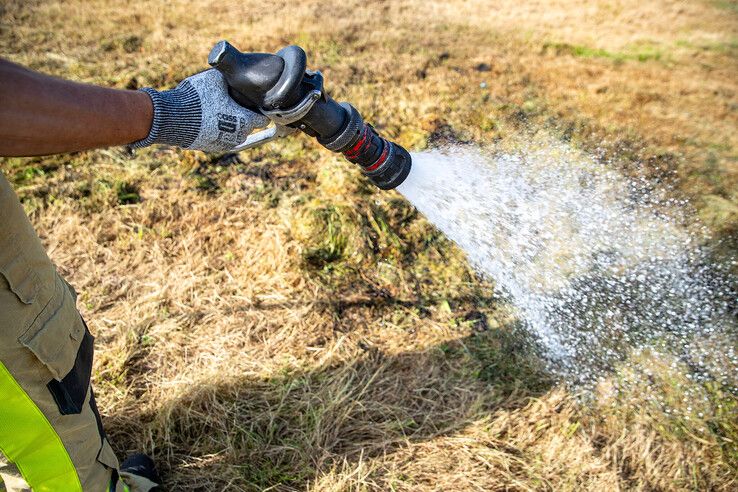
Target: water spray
x,y
292,97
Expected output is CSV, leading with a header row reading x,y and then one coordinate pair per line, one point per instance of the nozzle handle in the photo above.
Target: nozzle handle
x,y
261,80
249,75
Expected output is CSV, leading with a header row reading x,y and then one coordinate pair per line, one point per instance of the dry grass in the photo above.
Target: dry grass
x,y
277,324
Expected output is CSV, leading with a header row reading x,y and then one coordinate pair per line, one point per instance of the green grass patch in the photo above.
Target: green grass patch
x,y
730,5
503,357
641,52
127,193
25,171
126,44
729,46
332,241
723,423
508,361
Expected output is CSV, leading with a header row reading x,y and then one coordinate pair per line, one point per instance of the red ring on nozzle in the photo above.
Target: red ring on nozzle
x,y
357,149
382,158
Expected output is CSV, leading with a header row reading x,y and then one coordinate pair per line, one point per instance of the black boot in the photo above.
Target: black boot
x,y
141,465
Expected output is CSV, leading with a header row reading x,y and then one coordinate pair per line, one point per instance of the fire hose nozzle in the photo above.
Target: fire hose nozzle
x,y
280,87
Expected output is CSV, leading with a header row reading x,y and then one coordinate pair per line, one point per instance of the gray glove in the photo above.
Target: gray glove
x,y
199,114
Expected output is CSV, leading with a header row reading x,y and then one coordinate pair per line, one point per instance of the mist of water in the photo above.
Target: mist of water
x,y
600,267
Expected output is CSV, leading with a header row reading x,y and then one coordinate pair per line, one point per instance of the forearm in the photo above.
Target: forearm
x,y
40,114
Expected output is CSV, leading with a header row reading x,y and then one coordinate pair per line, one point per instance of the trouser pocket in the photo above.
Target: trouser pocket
x,y
56,334
60,340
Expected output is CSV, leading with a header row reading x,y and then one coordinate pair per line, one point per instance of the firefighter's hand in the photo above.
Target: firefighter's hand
x,y
199,114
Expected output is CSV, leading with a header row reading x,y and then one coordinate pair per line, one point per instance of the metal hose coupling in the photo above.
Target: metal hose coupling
x,y
280,87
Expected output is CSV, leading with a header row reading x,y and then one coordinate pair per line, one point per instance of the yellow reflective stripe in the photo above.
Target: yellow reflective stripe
x,y
28,440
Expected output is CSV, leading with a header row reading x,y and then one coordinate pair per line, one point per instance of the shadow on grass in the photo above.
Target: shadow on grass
x,y
253,433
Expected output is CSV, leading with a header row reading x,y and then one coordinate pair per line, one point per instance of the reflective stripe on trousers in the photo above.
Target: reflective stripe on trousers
x,y
28,440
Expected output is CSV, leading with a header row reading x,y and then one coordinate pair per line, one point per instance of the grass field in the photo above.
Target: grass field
x,y
268,321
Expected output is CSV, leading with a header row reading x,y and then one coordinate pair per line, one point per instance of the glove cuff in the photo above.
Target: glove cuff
x,y
177,117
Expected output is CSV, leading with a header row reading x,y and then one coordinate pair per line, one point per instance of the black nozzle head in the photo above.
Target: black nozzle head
x,y
395,168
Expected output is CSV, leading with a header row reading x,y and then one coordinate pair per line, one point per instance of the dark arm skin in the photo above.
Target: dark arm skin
x,y
42,115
